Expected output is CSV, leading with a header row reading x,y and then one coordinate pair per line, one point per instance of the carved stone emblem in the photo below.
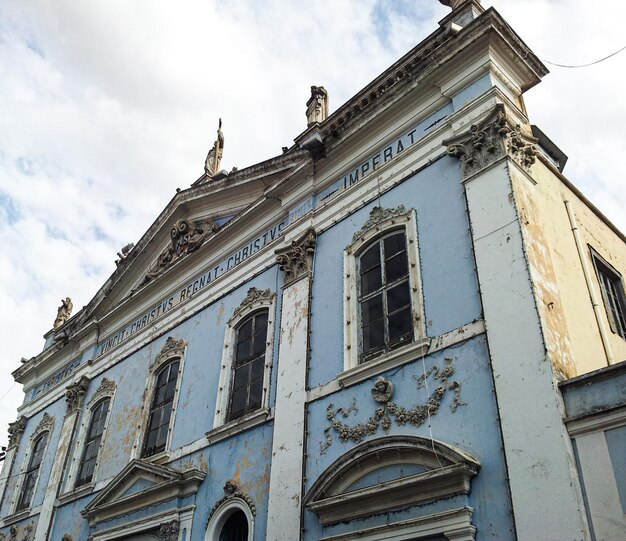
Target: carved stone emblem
x,y
16,429
106,388
232,490
487,142
63,313
296,260
255,296
230,487
169,531
378,215
172,348
75,393
186,237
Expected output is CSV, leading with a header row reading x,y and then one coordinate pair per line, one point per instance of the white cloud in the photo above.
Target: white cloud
x,y
107,107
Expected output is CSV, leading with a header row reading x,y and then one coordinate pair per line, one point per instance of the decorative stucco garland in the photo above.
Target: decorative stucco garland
x,y
382,393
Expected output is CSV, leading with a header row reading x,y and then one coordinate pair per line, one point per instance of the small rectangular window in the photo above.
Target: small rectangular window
x,y
612,290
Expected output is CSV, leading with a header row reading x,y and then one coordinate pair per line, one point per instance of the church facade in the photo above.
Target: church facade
x,y
407,326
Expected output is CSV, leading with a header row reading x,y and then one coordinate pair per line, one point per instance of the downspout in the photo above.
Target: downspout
x,y
590,286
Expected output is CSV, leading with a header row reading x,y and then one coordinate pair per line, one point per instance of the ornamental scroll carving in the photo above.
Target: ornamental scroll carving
x,y
106,388
46,423
232,490
172,348
297,260
254,297
377,216
16,429
487,142
75,393
186,237
169,531
388,411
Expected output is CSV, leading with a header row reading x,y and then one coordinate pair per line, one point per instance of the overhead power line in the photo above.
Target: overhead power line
x,y
584,65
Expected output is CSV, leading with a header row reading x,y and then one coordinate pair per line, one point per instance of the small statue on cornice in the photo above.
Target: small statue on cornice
x,y
317,106
63,313
214,157
123,253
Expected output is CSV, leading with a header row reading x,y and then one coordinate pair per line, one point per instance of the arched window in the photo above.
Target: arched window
x,y
384,296
92,442
161,409
235,528
32,472
246,392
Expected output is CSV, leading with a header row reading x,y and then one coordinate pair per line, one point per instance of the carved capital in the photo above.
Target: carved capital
x,y
16,429
377,216
169,531
172,348
75,393
296,260
490,140
106,388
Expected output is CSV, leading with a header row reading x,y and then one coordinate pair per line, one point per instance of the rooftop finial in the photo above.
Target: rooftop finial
x,y
214,157
317,106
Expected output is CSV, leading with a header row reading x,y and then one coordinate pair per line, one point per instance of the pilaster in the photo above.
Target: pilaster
x,y
74,396
286,477
536,444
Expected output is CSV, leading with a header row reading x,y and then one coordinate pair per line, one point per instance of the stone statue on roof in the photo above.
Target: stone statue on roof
x,y
63,313
214,157
317,106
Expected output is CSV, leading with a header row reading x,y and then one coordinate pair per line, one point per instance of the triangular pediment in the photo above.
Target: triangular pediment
x,y
138,485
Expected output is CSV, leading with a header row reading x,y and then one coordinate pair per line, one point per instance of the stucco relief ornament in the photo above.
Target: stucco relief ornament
x,y
16,429
254,296
377,216
63,313
28,530
172,348
297,260
46,423
13,531
389,412
487,142
75,393
232,490
106,388
169,531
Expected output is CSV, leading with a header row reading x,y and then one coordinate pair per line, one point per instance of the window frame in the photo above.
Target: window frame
x,y
105,391
256,301
223,512
382,223
605,269
173,350
44,428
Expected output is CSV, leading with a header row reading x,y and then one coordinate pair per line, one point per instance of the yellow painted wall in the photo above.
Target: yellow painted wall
x,y
569,324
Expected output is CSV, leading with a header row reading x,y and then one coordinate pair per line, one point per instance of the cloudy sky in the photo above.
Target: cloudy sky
x,y
107,107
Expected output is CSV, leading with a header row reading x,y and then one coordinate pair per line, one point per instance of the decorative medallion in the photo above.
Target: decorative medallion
x,y
16,429
75,393
169,531
296,260
172,348
254,297
378,215
382,392
106,388
231,490
487,142
186,237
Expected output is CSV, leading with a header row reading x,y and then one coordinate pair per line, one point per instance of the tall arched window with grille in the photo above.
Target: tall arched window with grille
x,y
93,439
32,472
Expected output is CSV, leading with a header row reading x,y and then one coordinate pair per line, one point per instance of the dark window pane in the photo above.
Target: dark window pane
x,y
257,367
398,297
370,258
373,336
161,409
393,244
400,325
235,528
245,331
372,310
241,377
256,394
371,281
238,402
396,268
243,351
